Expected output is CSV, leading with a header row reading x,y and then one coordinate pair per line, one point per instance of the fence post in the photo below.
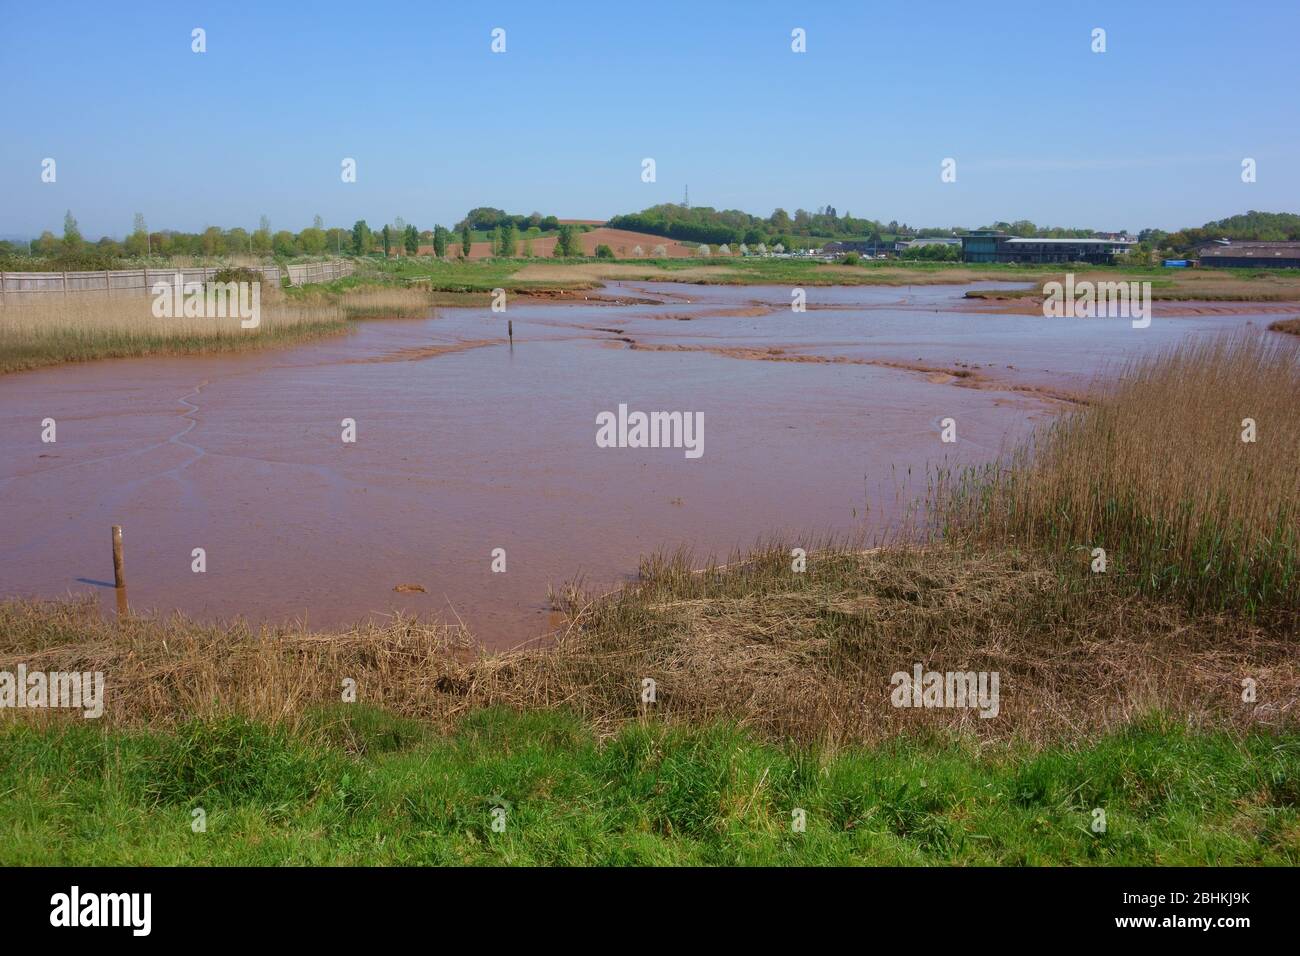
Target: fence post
x,y
108,283
119,573
65,283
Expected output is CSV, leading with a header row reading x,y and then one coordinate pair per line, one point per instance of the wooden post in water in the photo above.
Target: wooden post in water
x,y
510,331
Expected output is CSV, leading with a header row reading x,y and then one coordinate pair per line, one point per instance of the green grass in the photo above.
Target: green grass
x,y
471,275
356,786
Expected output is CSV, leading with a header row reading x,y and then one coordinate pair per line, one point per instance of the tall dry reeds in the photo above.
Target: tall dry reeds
x,y
1186,471
47,329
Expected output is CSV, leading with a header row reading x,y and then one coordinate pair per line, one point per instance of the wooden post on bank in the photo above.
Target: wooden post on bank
x,y
119,573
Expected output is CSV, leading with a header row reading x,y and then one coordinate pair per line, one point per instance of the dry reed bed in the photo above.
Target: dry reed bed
x,y
387,302
802,656
94,314
48,329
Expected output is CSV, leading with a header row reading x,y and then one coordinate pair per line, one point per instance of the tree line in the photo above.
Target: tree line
x,y
73,252
488,218
508,233
733,226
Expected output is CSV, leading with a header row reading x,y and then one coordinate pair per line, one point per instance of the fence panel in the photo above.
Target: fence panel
x,y
320,271
142,281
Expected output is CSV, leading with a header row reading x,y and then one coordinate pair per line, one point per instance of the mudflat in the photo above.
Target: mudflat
x,y
821,421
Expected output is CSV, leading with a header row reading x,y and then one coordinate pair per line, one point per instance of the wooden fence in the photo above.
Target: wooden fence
x,y
320,271
142,281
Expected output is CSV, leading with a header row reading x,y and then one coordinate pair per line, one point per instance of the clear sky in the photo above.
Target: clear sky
x,y
1150,133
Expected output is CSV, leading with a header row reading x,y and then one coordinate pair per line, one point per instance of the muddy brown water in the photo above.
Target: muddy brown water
x,y
465,444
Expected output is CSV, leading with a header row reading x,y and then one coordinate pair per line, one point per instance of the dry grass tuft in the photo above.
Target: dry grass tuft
x,y
387,302
805,656
159,671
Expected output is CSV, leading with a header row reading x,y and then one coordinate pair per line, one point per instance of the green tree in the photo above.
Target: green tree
x,y
338,240
387,239
411,240
47,245
214,243
466,237
509,244
137,244
312,240
238,240
604,252
262,236
496,240
362,238
72,240
569,242
440,236
284,243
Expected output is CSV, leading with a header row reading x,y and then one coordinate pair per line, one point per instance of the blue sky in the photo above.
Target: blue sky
x,y
1150,133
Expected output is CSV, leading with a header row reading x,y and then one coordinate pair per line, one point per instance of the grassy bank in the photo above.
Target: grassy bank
x,y
356,786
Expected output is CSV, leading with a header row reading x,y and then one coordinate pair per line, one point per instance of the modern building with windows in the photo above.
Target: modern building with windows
x,y
987,246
